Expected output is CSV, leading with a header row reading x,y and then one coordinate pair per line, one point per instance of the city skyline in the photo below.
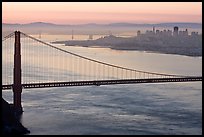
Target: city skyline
x,y
101,12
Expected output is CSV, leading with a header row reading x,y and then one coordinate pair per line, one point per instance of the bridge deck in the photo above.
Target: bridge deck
x,y
104,82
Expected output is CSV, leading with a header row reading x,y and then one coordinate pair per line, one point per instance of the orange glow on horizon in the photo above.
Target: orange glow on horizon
x,y
101,12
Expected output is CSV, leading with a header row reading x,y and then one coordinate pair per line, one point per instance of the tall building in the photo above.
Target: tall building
x,y
194,34
72,34
90,37
138,33
186,32
153,29
175,33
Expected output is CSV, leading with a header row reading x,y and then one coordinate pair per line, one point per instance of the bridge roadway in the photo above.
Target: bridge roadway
x,y
104,82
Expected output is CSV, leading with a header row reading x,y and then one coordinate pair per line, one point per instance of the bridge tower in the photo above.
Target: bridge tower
x,y
17,87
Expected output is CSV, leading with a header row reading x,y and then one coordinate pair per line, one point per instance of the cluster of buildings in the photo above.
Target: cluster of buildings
x,y
168,32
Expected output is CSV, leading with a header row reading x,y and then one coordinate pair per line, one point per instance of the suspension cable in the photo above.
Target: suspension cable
x,y
96,61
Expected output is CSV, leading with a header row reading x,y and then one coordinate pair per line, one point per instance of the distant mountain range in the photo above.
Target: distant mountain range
x,y
43,24
91,28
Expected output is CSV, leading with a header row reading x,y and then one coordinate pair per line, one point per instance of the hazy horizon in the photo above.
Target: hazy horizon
x,y
97,23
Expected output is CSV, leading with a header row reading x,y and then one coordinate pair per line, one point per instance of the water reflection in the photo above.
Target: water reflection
x,y
171,108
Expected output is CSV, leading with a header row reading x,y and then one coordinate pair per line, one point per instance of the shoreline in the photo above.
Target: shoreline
x,y
181,45
147,51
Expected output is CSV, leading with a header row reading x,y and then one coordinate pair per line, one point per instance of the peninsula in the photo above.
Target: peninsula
x,y
166,41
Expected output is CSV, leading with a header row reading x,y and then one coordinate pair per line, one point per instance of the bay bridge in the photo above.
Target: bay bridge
x,y
31,63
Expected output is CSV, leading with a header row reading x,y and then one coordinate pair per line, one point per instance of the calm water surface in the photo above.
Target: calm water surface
x,y
164,108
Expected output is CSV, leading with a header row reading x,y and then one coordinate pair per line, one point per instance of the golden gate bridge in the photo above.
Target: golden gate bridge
x,y
32,63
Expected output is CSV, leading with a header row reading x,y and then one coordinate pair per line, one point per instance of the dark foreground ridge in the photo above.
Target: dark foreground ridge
x,y
10,122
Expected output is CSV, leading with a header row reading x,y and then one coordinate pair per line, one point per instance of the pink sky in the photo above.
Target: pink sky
x,y
101,12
